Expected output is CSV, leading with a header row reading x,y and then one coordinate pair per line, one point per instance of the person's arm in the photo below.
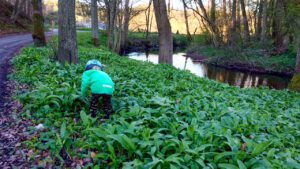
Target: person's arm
x,y
84,84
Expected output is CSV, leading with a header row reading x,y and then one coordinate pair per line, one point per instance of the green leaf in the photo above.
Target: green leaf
x,y
153,163
203,147
292,163
173,167
201,162
227,166
224,154
271,153
96,167
259,148
241,164
174,159
124,141
251,162
129,143
100,132
112,151
84,118
63,130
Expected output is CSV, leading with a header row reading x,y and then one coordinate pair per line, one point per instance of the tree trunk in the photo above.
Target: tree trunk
x,y
238,16
17,9
151,22
111,13
169,7
297,69
26,8
120,28
278,22
188,34
148,21
212,28
29,12
225,27
95,29
255,14
295,82
245,22
263,36
233,31
67,44
270,16
230,7
164,32
124,35
297,36
117,30
251,16
259,19
38,34
213,14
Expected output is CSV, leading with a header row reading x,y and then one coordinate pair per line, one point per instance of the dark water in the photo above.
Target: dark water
x,y
232,77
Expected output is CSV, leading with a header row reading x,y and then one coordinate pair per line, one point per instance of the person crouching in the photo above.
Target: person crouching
x,y
101,86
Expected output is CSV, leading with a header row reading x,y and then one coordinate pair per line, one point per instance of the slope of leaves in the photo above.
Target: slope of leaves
x,y
164,117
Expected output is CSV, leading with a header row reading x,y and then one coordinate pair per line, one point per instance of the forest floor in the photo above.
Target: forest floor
x,y
247,59
159,110
12,126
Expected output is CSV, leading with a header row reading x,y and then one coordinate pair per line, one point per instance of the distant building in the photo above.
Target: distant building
x,y
88,24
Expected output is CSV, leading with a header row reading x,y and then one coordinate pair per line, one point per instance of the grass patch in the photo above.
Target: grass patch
x,y
164,117
138,41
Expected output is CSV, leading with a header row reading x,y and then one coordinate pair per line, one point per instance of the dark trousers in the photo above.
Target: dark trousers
x,y
106,104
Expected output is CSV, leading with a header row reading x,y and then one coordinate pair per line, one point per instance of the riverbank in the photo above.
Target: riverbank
x,y
248,60
253,60
217,73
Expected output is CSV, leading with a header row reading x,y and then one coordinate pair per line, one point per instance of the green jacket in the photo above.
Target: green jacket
x,y
98,81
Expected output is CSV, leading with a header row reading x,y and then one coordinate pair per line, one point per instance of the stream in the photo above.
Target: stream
x,y
231,77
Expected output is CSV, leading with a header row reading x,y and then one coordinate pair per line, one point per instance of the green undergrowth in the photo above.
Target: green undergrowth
x,y
137,41
164,117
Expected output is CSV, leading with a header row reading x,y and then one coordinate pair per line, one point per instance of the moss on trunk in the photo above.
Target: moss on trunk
x,y
295,83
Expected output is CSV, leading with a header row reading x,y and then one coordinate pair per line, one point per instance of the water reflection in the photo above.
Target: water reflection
x,y
232,77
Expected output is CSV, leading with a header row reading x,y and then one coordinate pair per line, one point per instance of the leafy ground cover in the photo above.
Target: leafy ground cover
x,y
250,59
164,117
